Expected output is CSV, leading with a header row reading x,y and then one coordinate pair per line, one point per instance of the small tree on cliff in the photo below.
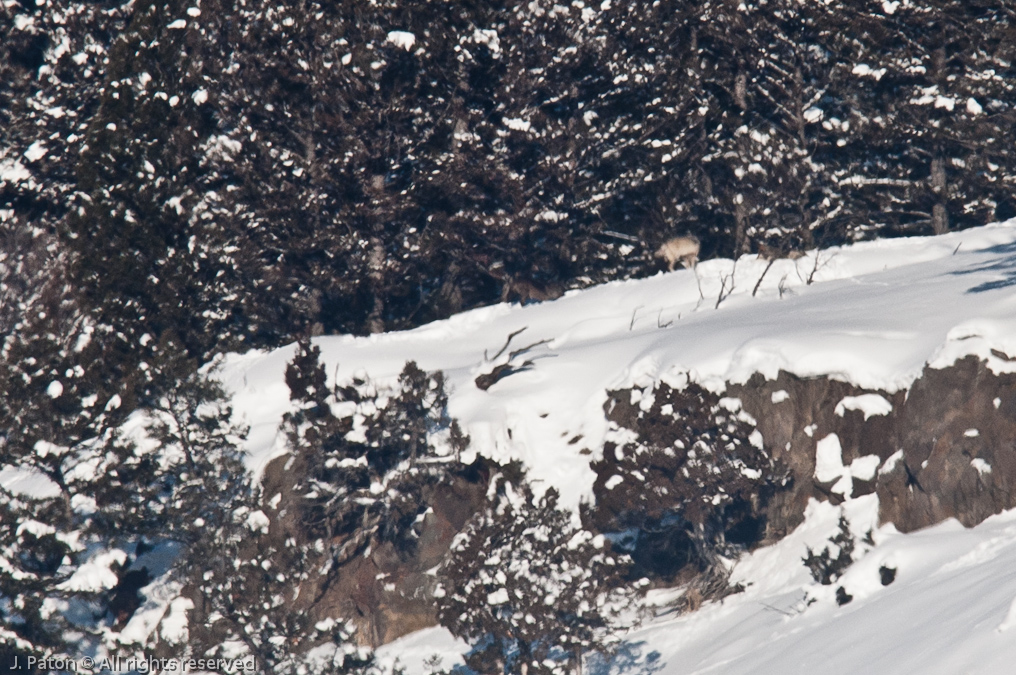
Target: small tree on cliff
x,y
530,589
688,472
366,470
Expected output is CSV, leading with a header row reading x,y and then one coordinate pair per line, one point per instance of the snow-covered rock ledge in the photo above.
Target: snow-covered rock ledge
x,y
880,374
875,316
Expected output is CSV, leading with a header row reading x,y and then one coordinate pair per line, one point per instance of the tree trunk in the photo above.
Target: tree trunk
x,y
799,107
939,214
740,229
939,219
938,178
741,91
375,271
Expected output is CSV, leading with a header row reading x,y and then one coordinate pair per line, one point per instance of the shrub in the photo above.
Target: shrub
x,y
529,588
685,473
826,567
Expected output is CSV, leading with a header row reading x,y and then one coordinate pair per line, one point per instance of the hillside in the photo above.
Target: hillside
x,y
873,381
875,316
951,609
335,332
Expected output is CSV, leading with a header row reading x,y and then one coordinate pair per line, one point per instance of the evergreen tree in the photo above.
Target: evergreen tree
x,y
691,481
248,590
530,590
200,446
914,114
365,478
295,171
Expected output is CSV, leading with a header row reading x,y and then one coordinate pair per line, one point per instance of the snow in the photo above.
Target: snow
x,y
401,39
953,593
35,528
865,467
28,482
829,466
36,151
95,574
12,171
174,626
489,38
869,404
864,70
516,124
980,466
948,610
890,463
828,459
1010,618
258,522
876,315
813,114
414,650
162,604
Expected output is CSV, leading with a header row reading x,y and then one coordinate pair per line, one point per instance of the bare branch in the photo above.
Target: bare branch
x,y
525,349
631,324
759,282
485,381
724,291
819,264
621,236
506,343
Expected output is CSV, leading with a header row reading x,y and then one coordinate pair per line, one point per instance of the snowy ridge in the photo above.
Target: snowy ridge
x,y
875,315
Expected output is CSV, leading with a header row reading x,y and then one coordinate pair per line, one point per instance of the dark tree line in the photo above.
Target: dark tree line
x,y
288,168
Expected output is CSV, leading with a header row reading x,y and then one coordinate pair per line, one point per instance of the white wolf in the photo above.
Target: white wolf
x,y
679,249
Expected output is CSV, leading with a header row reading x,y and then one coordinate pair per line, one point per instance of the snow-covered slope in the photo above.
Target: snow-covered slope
x,y
951,610
875,315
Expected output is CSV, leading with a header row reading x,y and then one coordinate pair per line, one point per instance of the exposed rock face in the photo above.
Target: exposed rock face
x,y
945,449
958,436
384,592
387,595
